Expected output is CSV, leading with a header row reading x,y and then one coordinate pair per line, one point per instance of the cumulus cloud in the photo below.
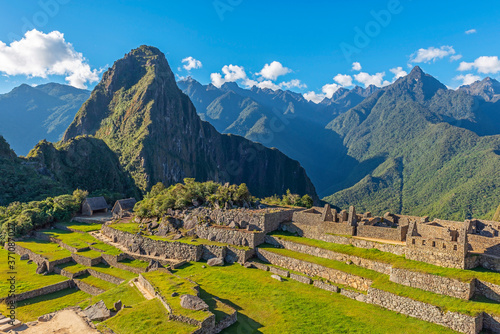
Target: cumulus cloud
x,y
343,79
398,73
431,54
455,57
294,83
313,97
231,73
40,55
368,79
356,66
482,64
328,91
471,31
190,63
273,71
467,79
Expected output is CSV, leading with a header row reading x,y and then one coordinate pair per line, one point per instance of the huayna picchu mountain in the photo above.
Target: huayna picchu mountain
x,y
140,113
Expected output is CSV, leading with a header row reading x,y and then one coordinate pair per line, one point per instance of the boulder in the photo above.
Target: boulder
x,y
177,237
25,257
216,261
42,267
118,305
174,294
234,225
277,277
191,302
97,312
30,261
45,317
153,265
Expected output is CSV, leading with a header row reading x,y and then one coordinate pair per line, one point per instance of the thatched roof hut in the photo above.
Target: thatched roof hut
x,y
91,205
123,207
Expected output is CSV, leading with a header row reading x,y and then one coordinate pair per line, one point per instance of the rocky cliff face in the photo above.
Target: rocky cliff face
x,y
141,114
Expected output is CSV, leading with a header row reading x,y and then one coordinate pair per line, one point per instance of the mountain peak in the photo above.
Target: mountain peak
x,y
416,72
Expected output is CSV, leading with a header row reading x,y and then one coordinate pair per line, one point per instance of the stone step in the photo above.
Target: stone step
x,y
7,327
2,316
4,320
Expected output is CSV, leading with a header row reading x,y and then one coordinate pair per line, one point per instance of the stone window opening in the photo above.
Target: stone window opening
x,y
444,246
433,244
455,247
423,242
413,241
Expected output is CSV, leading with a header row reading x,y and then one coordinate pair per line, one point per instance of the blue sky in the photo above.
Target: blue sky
x,y
305,39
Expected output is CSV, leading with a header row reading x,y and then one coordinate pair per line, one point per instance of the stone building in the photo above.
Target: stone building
x,y
123,207
92,205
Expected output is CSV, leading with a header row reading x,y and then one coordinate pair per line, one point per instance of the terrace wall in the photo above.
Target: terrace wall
x,y
230,236
90,289
379,232
43,291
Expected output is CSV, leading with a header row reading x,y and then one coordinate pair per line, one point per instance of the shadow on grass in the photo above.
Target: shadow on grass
x,y
50,296
244,323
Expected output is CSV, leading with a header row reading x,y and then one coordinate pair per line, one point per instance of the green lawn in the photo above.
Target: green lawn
x,y
395,260
91,254
47,249
120,273
167,284
26,277
127,294
97,282
135,263
267,306
72,267
31,309
147,317
108,249
74,239
126,227
83,227
382,282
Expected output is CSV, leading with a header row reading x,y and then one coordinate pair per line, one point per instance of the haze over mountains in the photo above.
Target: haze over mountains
x,y
29,114
412,147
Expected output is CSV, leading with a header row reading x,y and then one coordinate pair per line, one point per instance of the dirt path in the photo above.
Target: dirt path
x,y
141,289
64,322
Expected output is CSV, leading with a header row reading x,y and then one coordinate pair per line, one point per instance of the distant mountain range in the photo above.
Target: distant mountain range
x,y
412,147
29,114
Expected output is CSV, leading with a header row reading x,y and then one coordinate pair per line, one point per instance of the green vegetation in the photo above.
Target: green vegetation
x,y
73,239
395,260
166,284
97,282
82,227
31,309
47,249
91,254
289,199
127,227
134,263
127,294
105,248
382,282
72,267
496,216
26,277
27,216
146,317
180,196
116,272
268,306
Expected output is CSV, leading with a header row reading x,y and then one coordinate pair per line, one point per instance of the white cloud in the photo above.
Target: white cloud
x,y
467,79
343,79
40,55
356,66
330,89
471,31
231,73
191,63
375,79
294,83
455,57
482,64
273,71
313,97
263,84
431,54
398,73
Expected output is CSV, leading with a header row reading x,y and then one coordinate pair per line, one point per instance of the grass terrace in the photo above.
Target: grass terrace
x,y
395,260
126,227
267,306
31,309
146,317
26,277
107,249
127,294
72,267
167,284
74,239
382,282
47,249
120,273
134,263
97,282
91,254
82,227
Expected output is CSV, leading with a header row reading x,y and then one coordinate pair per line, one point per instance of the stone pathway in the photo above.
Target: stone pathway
x,y
383,241
141,289
5,324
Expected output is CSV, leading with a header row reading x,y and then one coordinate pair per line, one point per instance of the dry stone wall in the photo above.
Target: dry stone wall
x,y
312,269
459,322
230,236
90,289
85,261
44,291
379,232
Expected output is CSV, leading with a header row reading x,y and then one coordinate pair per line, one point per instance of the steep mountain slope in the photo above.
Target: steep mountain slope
x,y
285,120
496,216
30,114
431,164
20,181
141,114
